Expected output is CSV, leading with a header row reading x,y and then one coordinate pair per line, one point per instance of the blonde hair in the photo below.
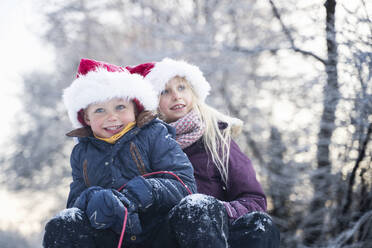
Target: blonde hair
x,y
216,141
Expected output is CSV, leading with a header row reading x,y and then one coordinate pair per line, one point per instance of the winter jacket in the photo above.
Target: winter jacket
x,y
242,194
145,149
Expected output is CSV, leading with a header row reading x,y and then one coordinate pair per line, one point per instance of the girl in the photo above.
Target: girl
x,y
230,211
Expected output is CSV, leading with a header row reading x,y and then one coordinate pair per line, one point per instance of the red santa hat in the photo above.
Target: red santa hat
x,y
159,73
98,82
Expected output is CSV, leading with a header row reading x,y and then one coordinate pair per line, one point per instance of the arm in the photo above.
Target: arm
x,y
244,192
77,185
162,191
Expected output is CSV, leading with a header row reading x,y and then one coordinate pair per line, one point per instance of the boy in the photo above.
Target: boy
x,y
127,169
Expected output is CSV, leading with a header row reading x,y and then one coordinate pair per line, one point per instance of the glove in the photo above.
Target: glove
x,y
82,201
140,193
126,202
106,210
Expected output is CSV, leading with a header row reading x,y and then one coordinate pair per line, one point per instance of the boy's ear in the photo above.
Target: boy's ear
x,y
86,118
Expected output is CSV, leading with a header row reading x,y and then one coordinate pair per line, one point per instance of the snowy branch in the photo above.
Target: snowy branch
x,y
289,36
360,158
346,235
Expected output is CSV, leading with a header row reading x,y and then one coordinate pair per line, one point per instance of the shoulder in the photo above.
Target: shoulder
x,y
157,127
156,135
77,152
239,161
235,149
234,146
197,147
88,145
79,147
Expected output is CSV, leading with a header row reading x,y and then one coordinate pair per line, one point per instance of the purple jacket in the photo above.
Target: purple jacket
x,y
242,194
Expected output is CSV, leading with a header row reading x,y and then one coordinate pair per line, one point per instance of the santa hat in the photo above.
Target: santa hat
x,y
160,73
98,82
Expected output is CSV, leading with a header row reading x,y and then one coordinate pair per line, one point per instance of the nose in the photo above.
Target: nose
x,y
112,116
176,95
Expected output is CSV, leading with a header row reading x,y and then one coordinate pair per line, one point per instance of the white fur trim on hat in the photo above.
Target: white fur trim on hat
x,y
102,85
168,68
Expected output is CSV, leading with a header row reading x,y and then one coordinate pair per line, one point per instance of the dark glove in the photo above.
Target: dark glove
x,y
82,201
126,202
106,209
140,193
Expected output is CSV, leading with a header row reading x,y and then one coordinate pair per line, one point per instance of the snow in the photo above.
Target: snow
x,y
69,214
261,223
259,226
198,199
196,209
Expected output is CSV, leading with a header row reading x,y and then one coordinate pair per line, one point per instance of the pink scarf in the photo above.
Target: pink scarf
x,y
188,129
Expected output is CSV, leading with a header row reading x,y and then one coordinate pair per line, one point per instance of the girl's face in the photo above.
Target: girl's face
x,y
110,117
175,100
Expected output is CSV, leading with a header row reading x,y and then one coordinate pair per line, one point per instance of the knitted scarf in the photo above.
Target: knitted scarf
x,y
188,129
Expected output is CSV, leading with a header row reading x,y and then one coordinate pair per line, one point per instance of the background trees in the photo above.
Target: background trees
x,y
298,73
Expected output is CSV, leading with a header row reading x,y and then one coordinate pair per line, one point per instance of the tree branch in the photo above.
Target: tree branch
x,y
361,155
346,235
232,109
290,38
253,51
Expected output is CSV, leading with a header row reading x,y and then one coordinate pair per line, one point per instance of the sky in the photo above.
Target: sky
x,y
21,52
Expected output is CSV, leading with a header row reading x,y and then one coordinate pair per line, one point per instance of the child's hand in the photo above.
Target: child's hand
x,y
139,192
82,201
130,205
106,209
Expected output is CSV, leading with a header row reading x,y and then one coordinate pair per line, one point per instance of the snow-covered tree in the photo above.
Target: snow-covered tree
x,y
298,73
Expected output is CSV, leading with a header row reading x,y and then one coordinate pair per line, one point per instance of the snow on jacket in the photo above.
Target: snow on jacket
x,y
142,150
242,194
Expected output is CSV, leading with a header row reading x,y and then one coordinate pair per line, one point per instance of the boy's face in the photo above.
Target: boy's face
x,y
110,117
175,100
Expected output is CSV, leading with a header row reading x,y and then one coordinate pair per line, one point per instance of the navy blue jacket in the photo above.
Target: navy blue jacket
x,y
150,148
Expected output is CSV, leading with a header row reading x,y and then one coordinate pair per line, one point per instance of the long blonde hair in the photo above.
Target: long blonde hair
x,y
216,141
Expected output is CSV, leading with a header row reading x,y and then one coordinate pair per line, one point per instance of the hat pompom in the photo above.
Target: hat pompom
x,y
142,69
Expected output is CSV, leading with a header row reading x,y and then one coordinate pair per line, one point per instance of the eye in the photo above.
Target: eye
x,y
99,110
120,107
181,87
164,92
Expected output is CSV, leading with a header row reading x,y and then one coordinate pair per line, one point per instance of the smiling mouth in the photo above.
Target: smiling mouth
x,y
178,106
114,129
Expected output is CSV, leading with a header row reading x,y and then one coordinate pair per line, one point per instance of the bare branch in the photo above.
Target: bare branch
x,y
290,38
346,235
232,109
367,15
361,155
253,51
